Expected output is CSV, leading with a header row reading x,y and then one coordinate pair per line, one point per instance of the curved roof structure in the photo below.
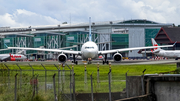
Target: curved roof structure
x,y
84,26
138,21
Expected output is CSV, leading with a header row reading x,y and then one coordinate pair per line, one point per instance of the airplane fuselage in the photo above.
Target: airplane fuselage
x,y
18,56
169,53
89,50
12,56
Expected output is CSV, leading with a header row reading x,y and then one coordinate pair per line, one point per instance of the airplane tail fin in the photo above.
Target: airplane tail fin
x,y
155,44
21,52
10,54
90,39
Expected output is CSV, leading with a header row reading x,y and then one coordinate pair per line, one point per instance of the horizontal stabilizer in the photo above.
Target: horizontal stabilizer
x,y
105,42
21,52
69,47
156,51
96,43
77,43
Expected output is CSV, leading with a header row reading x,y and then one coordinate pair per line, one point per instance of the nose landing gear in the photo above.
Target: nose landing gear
x,y
89,60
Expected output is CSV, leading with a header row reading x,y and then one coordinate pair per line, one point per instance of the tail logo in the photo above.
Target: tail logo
x,y
155,45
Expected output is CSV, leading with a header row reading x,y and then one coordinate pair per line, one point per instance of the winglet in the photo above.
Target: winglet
x,y
6,45
174,43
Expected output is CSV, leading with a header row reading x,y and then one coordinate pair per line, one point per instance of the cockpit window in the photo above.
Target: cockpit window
x,y
89,47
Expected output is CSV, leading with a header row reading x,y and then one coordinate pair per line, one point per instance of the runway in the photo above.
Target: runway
x,y
123,62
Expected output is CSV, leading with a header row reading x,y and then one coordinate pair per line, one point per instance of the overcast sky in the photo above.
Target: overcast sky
x,y
22,13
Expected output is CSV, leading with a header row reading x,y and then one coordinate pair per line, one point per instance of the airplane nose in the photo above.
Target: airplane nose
x,y
90,54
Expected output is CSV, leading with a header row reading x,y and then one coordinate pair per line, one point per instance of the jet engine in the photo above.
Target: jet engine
x,y
117,57
62,58
13,59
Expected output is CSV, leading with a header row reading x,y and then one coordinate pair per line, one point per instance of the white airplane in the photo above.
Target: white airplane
x,y
165,53
89,50
12,57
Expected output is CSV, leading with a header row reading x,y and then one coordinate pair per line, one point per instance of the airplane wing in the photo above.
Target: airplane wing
x,y
49,50
129,49
3,49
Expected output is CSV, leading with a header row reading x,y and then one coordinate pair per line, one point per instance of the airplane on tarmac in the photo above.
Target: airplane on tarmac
x,y
89,51
12,57
165,53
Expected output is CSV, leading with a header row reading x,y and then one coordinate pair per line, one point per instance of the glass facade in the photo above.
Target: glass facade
x,y
14,41
74,38
39,41
47,40
8,42
150,33
1,44
60,40
120,41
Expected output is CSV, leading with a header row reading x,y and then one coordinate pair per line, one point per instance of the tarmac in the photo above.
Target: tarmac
x,y
80,62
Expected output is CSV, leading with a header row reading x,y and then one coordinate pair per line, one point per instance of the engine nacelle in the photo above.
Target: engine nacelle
x,y
117,57
62,58
13,59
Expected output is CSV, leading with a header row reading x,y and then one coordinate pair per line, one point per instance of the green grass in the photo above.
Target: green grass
x,y
120,70
118,75
117,85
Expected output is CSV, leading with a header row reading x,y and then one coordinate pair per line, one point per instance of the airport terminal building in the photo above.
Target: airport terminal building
x,y
119,34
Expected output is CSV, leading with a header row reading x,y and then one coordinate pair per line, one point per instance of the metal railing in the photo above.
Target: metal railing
x,y
57,82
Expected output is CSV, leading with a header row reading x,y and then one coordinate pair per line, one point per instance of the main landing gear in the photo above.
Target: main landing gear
x,y
4,60
105,60
74,60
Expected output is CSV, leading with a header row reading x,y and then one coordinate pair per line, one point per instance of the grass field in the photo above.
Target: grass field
x,y
118,75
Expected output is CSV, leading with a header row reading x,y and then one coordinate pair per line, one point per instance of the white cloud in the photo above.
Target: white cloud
x,y
26,13
23,17
7,21
31,18
163,11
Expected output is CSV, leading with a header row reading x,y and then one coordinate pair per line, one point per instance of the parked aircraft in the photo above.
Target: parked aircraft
x,y
12,57
89,50
165,53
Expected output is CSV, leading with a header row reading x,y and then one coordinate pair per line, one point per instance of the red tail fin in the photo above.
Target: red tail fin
x,y
10,55
151,50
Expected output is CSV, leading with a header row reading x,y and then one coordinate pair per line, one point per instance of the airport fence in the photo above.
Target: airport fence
x,y
56,82
26,82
